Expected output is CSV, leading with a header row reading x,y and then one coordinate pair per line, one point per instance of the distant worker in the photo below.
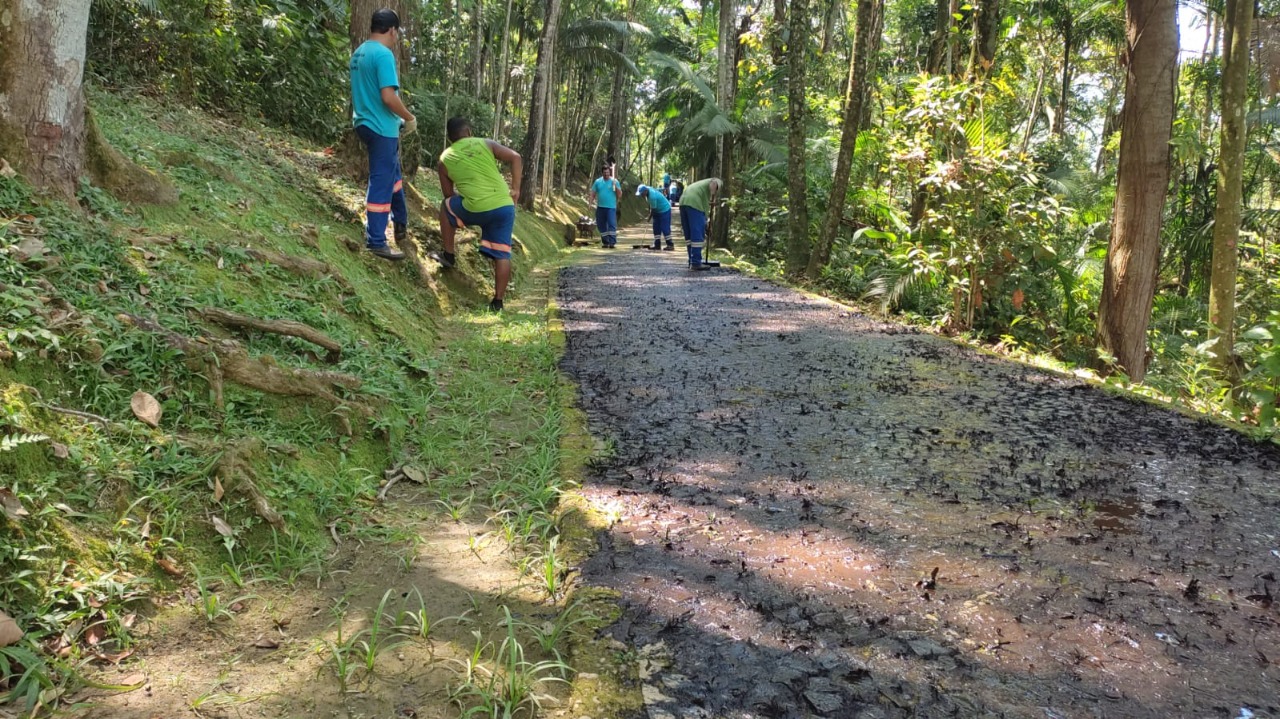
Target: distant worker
x,y
677,189
379,116
660,213
605,192
666,185
476,194
695,204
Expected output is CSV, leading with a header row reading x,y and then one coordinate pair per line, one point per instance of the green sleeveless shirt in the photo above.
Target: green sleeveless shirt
x,y
474,172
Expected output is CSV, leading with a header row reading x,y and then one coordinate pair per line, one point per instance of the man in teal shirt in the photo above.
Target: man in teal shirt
x,y
379,116
604,195
660,213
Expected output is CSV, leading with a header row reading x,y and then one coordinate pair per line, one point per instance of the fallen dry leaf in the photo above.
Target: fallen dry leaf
x,y
134,680
169,566
223,528
114,658
217,489
12,506
9,631
266,643
414,474
146,408
6,170
60,450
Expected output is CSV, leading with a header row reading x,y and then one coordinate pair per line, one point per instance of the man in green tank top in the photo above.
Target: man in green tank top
x,y
476,194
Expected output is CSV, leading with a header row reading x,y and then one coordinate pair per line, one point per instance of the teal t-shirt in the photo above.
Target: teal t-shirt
x,y
373,67
606,192
657,202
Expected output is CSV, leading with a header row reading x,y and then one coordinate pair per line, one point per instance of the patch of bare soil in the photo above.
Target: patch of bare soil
x,y
272,655
820,514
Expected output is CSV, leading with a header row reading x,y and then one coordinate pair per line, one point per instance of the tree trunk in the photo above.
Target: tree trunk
x,y
797,174
619,98
1064,90
477,42
539,95
504,76
854,99
1226,220
726,93
42,107
1142,182
351,153
986,26
938,46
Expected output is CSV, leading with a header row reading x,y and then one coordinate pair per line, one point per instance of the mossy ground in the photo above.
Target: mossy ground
x,y
119,553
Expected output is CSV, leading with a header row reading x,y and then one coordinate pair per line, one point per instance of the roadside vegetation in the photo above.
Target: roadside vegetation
x,y
162,458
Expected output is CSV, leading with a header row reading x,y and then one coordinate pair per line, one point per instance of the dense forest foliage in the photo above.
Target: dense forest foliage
x,y
956,162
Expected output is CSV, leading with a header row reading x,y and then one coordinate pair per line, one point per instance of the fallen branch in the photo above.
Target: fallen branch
x,y
77,413
297,265
234,363
235,472
290,328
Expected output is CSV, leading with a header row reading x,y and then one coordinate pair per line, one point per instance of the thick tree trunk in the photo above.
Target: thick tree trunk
x,y
939,46
539,95
351,152
42,108
797,173
986,26
854,99
1142,183
1226,220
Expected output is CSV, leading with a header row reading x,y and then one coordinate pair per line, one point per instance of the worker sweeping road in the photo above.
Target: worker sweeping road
x,y
605,192
695,204
660,213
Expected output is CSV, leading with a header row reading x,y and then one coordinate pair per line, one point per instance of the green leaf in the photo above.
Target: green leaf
x,y
1258,334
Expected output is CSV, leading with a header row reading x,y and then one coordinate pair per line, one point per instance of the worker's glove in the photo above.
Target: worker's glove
x,y
410,126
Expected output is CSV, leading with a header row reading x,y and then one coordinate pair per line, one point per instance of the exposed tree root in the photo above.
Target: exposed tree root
x,y
301,266
227,359
235,471
290,328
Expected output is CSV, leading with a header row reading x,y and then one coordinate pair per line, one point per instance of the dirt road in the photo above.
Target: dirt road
x,y
820,514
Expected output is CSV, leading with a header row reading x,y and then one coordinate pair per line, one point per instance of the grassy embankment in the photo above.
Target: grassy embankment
x,y
270,449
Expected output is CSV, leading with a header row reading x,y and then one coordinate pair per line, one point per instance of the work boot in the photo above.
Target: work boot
x,y
495,305
402,232
656,245
386,253
671,246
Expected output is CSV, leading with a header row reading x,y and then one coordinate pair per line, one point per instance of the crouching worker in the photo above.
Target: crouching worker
x,y
476,194
695,203
660,213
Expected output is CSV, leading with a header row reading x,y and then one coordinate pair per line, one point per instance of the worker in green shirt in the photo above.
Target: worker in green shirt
x,y
476,194
695,204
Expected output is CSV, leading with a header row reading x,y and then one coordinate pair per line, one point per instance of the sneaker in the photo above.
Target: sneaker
x,y
447,260
386,253
495,305
402,231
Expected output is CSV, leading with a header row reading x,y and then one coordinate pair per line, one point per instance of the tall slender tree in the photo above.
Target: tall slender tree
x,y
42,104
797,168
855,97
1142,182
726,95
540,94
1226,219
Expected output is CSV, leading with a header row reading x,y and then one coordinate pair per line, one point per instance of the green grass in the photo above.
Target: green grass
x,y
116,510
